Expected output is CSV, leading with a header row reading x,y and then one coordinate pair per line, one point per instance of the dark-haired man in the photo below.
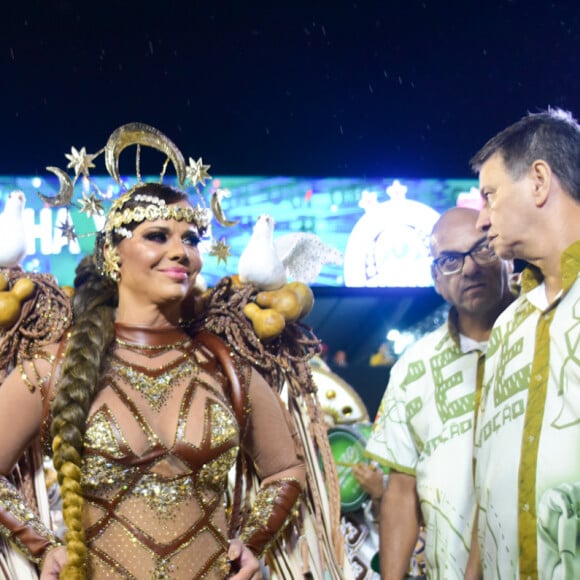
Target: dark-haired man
x,y
528,431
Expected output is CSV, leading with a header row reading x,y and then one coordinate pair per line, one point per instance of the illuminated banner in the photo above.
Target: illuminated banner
x,y
380,225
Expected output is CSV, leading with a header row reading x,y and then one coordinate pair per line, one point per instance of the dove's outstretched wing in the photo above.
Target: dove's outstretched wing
x,y
303,255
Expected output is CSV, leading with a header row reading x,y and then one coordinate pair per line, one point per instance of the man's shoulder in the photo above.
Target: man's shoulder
x,y
424,346
511,311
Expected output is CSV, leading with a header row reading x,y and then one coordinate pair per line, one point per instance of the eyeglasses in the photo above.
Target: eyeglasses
x,y
453,262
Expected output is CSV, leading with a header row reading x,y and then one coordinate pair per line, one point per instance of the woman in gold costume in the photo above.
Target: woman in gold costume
x,y
146,417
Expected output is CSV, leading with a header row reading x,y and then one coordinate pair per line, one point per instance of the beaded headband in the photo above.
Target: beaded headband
x,y
194,174
119,216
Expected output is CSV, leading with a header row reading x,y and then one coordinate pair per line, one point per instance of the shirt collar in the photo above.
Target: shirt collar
x,y
462,342
570,264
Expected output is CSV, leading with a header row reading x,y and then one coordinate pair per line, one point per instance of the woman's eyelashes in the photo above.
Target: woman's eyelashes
x,y
156,236
191,238
161,237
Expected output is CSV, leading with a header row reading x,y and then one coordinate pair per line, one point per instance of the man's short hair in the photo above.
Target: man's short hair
x,y
552,135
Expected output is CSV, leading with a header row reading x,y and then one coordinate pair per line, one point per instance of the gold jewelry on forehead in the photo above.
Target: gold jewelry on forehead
x,y
157,208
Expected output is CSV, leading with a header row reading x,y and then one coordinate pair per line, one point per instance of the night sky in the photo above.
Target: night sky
x,y
337,88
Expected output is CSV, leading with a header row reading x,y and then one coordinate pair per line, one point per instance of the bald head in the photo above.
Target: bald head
x,y
454,222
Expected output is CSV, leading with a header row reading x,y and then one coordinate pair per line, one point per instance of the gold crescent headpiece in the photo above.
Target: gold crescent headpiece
x,y
194,173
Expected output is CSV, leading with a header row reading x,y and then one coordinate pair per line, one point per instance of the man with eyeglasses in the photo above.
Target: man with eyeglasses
x,y
424,428
527,444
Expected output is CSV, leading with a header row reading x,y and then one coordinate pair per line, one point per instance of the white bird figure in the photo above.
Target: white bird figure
x,y
13,246
304,255
259,263
268,262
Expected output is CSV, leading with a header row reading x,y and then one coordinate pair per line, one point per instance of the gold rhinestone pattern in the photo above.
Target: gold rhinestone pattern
x,y
13,503
161,495
214,473
100,433
156,389
100,474
223,426
262,510
160,513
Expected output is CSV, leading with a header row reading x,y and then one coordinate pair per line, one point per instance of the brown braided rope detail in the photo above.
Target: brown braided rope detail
x,y
291,350
44,318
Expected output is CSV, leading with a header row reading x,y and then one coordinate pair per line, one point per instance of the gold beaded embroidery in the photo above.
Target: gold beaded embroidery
x,y
163,495
214,473
37,378
13,503
164,507
223,425
154,384
263,508
153,350
101,433
101,474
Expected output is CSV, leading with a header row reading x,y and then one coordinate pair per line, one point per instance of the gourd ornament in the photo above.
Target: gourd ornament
x,y
305,296
283,301
267,323
273,309
11,299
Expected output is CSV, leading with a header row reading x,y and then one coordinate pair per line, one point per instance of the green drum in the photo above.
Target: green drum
x,y
364,429
347,445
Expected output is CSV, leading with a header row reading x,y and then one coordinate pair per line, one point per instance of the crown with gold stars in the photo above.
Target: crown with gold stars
x,y
193,174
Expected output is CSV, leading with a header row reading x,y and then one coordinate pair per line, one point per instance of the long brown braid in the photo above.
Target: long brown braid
x,y
91,337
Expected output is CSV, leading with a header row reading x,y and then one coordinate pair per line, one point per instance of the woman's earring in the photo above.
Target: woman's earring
x,y
111,266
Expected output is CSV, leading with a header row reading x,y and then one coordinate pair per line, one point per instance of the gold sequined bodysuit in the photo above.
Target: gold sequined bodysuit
x,y
160,441
162,434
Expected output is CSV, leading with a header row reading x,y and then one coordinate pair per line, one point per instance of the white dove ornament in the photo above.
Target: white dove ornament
x,y
13,246
259,263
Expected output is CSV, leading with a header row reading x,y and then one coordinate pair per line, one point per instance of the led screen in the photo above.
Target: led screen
x,y
380,225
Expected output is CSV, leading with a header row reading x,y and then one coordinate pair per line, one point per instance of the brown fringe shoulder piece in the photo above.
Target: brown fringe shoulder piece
x,y
44,318
284,363
291,350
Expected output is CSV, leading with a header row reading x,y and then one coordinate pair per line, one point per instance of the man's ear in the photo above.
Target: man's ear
x,y
435,275
541,176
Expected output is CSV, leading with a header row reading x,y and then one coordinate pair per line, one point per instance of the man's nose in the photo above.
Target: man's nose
x,y
470,266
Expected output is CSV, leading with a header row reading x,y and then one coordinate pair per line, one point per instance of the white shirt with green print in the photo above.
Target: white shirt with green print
x,y
424,428
528,435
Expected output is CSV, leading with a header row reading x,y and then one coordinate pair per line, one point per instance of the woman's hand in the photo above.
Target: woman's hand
x,y
245,565
53,563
